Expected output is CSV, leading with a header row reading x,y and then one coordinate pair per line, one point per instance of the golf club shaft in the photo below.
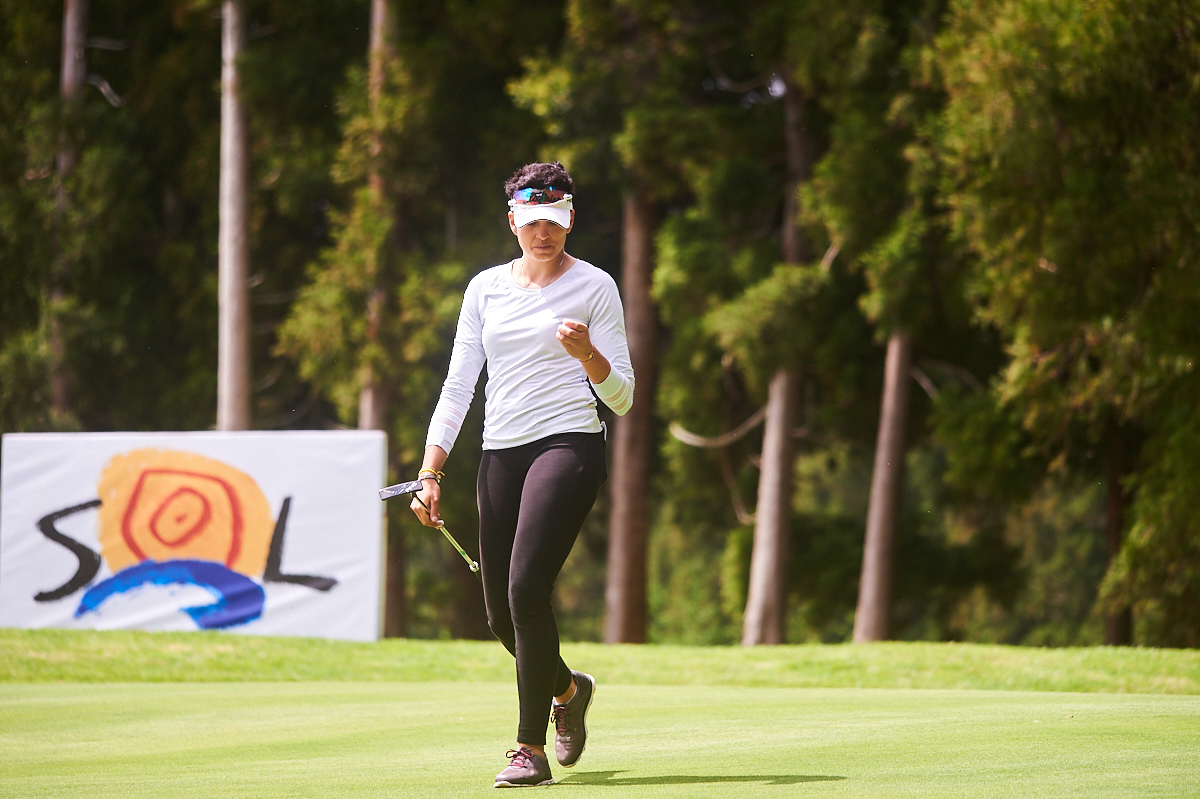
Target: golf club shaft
x,y
472,565
412,488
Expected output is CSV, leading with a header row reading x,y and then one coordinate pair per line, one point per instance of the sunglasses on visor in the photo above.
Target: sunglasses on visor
x,y
538,196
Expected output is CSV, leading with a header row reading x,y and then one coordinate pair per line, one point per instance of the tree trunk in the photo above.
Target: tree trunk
x,y
766,601
765,618
1118,625
233,249
72,77
71,80
798,158
372,401
887,482
633,436
395,605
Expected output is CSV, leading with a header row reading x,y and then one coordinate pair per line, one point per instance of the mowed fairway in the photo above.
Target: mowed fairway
x,y
439,739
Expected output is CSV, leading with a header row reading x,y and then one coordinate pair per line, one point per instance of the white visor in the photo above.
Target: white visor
x,y
559,213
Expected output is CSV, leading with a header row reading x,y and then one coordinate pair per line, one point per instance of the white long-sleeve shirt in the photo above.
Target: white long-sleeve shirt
x,y
534,388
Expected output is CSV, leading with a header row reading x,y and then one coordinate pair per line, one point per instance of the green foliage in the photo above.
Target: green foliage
x,y
28,80
990,458
697,592
421,168
1159,566
1069,146
24,393
1058,534
1060,145
613,101
1013,182
761,325
135,243
735,314
338,341
336,337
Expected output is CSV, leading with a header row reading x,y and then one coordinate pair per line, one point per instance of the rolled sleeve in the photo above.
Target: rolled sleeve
x,y
615,391
608,335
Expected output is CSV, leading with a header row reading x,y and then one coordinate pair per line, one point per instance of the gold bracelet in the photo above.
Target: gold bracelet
x,y
434,474
588,358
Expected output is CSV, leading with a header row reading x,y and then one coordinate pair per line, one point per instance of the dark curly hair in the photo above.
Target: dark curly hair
x,y
539,176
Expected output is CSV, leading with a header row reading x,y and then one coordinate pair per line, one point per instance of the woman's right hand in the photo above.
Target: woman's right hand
x,y
430,494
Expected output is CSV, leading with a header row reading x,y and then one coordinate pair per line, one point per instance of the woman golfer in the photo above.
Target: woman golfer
x,y
551,330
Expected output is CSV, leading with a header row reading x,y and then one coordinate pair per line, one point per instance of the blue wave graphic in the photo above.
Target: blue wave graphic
x,y
239,599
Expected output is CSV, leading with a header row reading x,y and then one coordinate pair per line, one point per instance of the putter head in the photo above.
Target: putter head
x,y
400,489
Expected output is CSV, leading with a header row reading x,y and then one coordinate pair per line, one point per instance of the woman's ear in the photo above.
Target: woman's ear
x,y
572,227
512,222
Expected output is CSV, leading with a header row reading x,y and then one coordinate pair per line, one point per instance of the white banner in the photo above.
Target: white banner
x,y
262,533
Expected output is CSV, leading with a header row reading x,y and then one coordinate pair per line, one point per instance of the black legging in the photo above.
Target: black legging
x,y
533,500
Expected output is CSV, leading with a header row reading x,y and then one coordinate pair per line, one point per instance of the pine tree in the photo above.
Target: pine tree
x,y
1068,140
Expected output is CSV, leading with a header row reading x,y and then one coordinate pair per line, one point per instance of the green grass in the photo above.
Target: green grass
x,y
446,739
180,715
84,656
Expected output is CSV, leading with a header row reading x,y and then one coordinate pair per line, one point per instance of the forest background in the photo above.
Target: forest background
x,y
921,276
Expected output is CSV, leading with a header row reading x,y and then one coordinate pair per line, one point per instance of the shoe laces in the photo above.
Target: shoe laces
x,y
521,758
561,717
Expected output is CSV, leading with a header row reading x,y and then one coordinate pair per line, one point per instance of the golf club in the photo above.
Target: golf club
x,y
412,487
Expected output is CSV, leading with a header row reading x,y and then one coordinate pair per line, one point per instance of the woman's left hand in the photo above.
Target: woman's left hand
x,y
578,344
575,339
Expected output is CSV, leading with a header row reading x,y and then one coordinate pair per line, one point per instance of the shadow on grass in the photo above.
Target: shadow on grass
x,y
611,778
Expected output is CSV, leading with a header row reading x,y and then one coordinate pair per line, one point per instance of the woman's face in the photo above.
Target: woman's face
x,y
541,240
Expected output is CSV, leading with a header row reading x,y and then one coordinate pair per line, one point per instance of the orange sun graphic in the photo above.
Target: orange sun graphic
x,y
162,505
